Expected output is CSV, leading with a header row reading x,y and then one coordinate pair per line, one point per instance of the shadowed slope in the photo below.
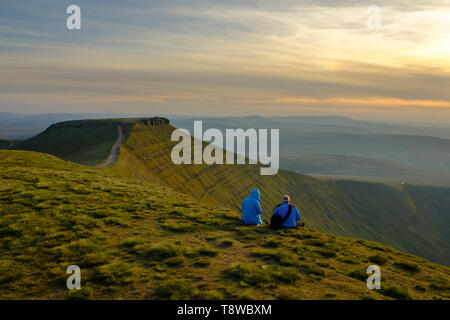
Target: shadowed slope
x,y
4,144
115,149
85,141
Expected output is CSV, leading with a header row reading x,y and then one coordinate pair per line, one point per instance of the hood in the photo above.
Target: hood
x,y
255,194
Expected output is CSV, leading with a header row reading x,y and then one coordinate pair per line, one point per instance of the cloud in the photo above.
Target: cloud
x,y
232,55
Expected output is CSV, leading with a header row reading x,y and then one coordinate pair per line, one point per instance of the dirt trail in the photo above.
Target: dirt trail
x,y
114,150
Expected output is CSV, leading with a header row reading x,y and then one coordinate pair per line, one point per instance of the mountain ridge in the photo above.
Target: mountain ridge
x,y
340,207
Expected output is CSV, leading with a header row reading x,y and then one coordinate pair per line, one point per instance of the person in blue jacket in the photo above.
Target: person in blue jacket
x,y
251,209
294,217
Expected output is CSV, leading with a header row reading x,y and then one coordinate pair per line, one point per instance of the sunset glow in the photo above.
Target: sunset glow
x,y
305,57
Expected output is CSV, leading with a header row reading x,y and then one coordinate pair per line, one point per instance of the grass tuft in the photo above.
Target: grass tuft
x,y
378,259
252,274
177,289
358,274
407,266
396,293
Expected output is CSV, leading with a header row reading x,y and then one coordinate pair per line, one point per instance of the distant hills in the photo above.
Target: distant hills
x,y
409,217
4,143
374,150
23,126
142,240
420,151
352,167
317,124
340,146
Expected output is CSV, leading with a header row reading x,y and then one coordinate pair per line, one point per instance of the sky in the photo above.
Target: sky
x,y
224,57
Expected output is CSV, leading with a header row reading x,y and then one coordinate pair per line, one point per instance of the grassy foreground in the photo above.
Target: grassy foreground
x,y
145,241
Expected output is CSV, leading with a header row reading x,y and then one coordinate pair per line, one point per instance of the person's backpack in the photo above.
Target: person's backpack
x,y
277,221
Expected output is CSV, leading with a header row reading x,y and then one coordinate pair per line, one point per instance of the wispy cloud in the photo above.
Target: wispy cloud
x,y
219,57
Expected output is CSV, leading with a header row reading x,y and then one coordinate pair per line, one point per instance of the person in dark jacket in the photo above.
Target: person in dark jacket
x,y
294,218
251,209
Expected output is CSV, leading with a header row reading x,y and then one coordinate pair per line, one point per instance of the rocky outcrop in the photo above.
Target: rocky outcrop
x,y
155,121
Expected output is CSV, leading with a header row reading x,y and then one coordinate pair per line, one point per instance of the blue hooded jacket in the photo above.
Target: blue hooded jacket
x,y
251,209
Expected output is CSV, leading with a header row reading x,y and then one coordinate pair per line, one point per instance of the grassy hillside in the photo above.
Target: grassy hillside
x,y
84,141
360,168
377,212
381,212
137,240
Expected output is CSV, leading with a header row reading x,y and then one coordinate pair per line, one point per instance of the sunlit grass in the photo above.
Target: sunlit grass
x,y
144,241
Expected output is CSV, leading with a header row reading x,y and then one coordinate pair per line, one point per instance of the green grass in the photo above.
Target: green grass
x,y
87,142
396,293
407,217
174,289
378,259
252,274
358,274
407,266
226,243
404,218
55,213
